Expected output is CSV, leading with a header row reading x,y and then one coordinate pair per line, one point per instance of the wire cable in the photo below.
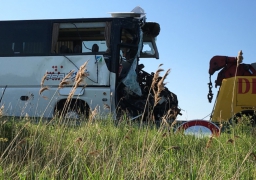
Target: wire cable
x,y
3,93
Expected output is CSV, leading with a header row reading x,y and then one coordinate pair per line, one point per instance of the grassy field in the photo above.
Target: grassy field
x,y
105,150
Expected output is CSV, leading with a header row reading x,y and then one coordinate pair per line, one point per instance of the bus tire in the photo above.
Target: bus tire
x,y
75,109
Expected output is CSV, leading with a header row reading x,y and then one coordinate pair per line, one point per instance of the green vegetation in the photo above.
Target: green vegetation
x,y
105,150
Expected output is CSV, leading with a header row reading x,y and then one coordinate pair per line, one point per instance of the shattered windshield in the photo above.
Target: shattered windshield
x,y
148,48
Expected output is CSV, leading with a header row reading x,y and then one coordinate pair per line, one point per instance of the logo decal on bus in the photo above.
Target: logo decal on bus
x,y
99,58
57,75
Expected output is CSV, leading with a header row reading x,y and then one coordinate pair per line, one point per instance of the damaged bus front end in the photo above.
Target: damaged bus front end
x,y
140,94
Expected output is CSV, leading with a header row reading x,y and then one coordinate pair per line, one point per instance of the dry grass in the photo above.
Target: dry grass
x,y
43,79
79,80
66,80
154,85
167,116
157,86
1,110
81,74
43,89
98,149
161,87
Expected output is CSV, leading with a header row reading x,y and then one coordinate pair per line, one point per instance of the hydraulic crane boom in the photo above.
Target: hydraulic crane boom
x,y
230,67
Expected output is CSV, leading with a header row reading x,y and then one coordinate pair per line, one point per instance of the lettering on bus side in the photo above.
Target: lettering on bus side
x,y
55,76
244,86
59,76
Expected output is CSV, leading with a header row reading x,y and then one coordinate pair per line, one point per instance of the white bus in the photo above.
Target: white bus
x,y
52,48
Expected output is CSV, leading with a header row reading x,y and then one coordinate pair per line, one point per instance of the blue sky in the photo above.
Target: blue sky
x,y
192,32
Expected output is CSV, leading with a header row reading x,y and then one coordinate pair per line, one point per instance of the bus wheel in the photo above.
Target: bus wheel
x,y
72,115
75,110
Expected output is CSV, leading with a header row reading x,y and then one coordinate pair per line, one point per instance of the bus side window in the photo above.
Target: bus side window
x,y
18,48
129,38
6,49
64,49
77,49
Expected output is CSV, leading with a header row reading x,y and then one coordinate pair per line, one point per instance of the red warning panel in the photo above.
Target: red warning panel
x,y
214,129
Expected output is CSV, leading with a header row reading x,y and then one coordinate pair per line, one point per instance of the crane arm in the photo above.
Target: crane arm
x,y
230,67
219,62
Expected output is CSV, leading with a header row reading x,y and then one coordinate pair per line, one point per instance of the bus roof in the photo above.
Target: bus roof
x,y
98,19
